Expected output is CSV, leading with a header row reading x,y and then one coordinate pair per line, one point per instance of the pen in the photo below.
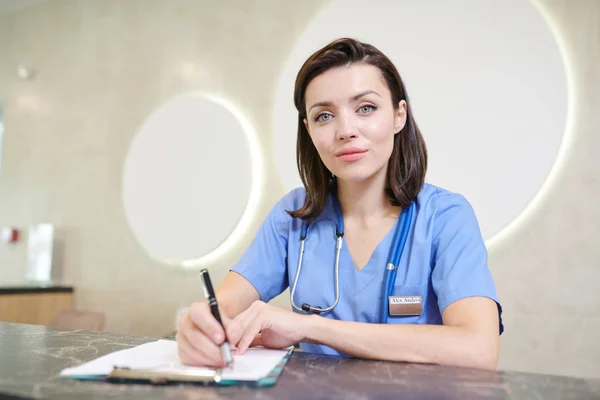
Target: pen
x,y
214,309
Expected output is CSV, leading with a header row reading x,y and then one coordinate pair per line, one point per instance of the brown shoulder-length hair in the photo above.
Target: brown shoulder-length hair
x,y
408,162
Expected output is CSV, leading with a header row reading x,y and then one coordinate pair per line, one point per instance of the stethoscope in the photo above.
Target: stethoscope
x,y
393,261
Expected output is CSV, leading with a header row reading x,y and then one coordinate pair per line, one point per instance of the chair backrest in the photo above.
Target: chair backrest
x,y
70,318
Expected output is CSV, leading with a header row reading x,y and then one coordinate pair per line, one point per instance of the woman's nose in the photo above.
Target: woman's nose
x,y
346,128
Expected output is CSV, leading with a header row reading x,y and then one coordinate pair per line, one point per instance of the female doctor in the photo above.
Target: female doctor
x,y
380,265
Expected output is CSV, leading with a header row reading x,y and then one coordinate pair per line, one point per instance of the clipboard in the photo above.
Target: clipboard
x,y
143,369
208,376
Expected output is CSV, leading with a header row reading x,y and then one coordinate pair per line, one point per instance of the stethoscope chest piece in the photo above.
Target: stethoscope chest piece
x,y
308,308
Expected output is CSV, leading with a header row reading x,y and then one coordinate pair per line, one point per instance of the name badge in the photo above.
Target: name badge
x,y
405,305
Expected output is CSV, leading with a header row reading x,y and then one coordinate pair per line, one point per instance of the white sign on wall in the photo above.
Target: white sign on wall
x,y
40,247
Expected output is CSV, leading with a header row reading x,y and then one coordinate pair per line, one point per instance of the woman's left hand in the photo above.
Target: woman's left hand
x,y
265,325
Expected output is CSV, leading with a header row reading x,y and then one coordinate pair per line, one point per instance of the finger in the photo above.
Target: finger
x,y
240,323
197,355
249,335
235,328
225,319
187,354
257,341
184,357
210,351
229,327
201,316
200,343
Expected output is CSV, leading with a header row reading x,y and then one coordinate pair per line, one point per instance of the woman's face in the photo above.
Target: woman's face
x,y
352,122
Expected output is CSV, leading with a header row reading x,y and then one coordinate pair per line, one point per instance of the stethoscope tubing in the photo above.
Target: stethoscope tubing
x,y
398,244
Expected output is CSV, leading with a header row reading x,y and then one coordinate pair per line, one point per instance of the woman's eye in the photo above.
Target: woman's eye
x,y
323,117
366,109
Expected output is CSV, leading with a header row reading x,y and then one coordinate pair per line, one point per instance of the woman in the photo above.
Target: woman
x,y
362,161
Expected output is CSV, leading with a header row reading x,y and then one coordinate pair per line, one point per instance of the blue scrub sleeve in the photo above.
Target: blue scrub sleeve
x,y
263,263
460,257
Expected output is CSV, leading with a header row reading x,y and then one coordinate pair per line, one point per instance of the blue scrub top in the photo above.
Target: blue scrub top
x,y
444,260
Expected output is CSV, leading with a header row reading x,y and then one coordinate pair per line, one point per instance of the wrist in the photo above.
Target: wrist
x,y
310,327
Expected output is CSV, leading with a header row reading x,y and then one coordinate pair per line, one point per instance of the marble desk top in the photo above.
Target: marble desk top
x,y
31,358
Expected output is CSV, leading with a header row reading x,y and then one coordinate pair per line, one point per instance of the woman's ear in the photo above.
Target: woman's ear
x,y
400,117
306,125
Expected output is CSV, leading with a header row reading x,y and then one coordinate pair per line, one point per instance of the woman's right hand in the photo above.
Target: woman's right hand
x,y
199,337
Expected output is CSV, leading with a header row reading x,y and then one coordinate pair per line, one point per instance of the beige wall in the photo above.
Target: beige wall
x,y
548,271
103,66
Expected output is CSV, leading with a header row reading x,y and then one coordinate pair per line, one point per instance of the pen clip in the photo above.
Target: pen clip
x,y
203,284
206,295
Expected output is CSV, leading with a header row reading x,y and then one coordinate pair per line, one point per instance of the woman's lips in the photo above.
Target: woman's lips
x,y
350,155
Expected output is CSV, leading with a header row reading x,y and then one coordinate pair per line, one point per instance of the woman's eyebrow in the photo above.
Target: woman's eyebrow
x,y
353,98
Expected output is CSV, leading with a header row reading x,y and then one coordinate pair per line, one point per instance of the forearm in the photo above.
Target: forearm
x,y
235,294
437,344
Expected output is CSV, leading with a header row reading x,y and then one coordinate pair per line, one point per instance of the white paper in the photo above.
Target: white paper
x,y
162,356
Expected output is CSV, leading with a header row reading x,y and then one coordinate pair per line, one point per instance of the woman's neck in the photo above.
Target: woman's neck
x,y
366,200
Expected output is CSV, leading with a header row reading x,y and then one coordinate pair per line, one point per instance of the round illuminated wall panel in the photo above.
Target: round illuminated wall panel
x,y
188,180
